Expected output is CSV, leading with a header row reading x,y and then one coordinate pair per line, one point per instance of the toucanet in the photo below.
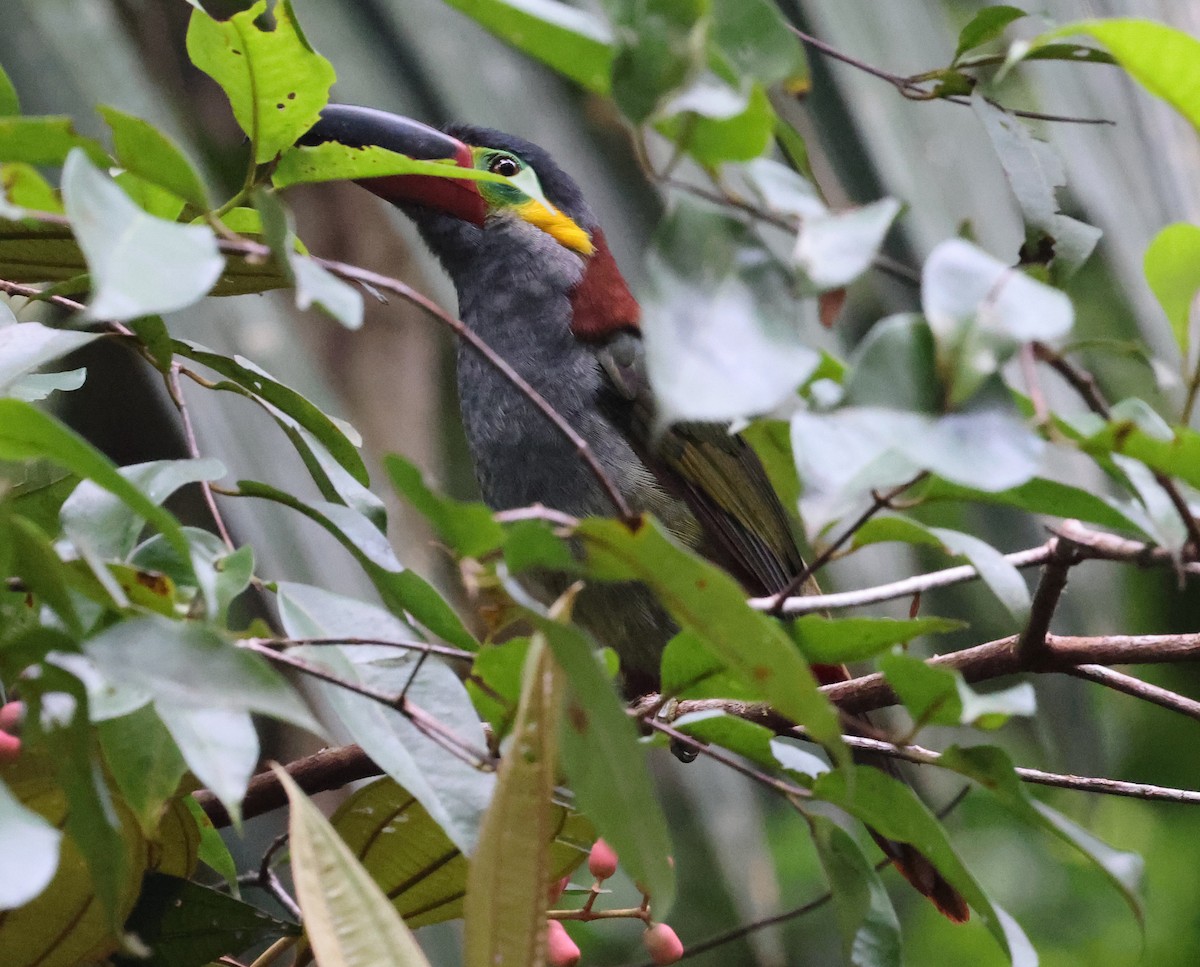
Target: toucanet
x,y
537,282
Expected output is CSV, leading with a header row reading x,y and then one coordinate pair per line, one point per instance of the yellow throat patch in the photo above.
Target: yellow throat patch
x,y
557,225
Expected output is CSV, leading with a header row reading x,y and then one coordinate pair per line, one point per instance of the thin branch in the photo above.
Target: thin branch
x,y
909,88
399,702
327,769
1031,646
813,603
1131,685
1093,784
442,651
879,502
773,783
175,391
1092,544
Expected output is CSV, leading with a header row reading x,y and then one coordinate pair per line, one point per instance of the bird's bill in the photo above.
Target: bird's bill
x,y
361,127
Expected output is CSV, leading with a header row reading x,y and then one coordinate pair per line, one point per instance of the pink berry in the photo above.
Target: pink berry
x,y
602,861
11,716
561,950
10,748
663,944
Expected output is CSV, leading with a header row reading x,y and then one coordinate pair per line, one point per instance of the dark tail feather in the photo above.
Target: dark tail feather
x,y
923,875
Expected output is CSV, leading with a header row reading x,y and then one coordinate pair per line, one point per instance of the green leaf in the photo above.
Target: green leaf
x,y
45,141
219,745
315,285
655,53
29,850
36,561
1002,578
737,295
748,739
1175,452
845,454
185,924
409,855
186,665
212,850
754,38
334,161
993,769
928,692
276,83
715,123
981,310
504,912
892,808
453,791
401,589
144,762
870,929
832,641
1035,171
706,601
1165,61
573,42
110,526
1172,267
24,347
27,189
140,265
57,724
347,919
284,403
834,249
691,670
985,26
27,433
143,149
9,102
467,527
1039,496
895,366
38,386
606,765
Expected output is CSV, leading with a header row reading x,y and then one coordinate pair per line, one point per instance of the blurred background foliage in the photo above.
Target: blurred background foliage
x,y
392,381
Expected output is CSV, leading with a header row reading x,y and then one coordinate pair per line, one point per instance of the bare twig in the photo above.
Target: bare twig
x,y
1094,784
913,90
442,651
1090,545
1131,685
1031,646
431,727
175,391
879,502
813,603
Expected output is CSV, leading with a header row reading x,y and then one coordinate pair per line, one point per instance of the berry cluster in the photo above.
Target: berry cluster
x,y
662,943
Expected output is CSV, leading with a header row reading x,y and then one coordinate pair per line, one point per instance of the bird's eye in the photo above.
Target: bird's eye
x,y
504,165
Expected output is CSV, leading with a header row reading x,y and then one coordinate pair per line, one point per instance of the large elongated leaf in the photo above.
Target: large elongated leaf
x,y
143,149
413,860
1172,267
454,792
505,908
347,919
275,81
607,767
28,851
401,589
706,601
27,433
571,41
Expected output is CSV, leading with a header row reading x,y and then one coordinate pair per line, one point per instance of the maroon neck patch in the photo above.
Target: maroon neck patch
x,y
602,303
